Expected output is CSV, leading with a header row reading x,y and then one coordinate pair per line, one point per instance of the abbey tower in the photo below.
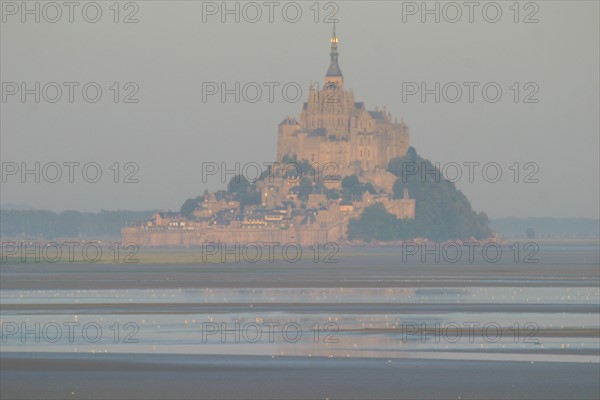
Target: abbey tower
x,y
333,127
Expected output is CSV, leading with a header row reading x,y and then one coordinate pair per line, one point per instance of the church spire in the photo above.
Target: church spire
x,y
334,69
334,39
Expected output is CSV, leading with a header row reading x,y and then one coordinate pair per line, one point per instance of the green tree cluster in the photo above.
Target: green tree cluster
x,y
352,186
375,223
244,191
189,206
442,211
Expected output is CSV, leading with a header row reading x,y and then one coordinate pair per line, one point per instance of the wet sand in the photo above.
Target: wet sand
x,y
449,371
125,376
378,270
354,308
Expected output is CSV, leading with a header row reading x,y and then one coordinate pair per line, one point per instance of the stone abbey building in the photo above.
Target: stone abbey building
x,y
334,128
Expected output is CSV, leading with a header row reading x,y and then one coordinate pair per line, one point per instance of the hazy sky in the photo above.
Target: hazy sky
x,y
383,48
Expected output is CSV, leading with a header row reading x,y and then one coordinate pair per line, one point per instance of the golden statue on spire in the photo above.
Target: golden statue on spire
x,y
334,38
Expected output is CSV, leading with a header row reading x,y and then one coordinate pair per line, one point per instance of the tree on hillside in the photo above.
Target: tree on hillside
x,y
442,211
188,208
375,223
238,184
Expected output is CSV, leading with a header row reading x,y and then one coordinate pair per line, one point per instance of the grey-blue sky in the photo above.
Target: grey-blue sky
x,y
170,132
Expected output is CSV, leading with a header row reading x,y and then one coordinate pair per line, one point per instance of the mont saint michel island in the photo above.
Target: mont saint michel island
x,y
343,173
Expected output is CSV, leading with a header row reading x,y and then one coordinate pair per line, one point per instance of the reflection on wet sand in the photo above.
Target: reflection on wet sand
x,y
368,309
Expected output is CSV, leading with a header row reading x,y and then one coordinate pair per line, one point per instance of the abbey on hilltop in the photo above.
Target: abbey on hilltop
x,y
334,128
